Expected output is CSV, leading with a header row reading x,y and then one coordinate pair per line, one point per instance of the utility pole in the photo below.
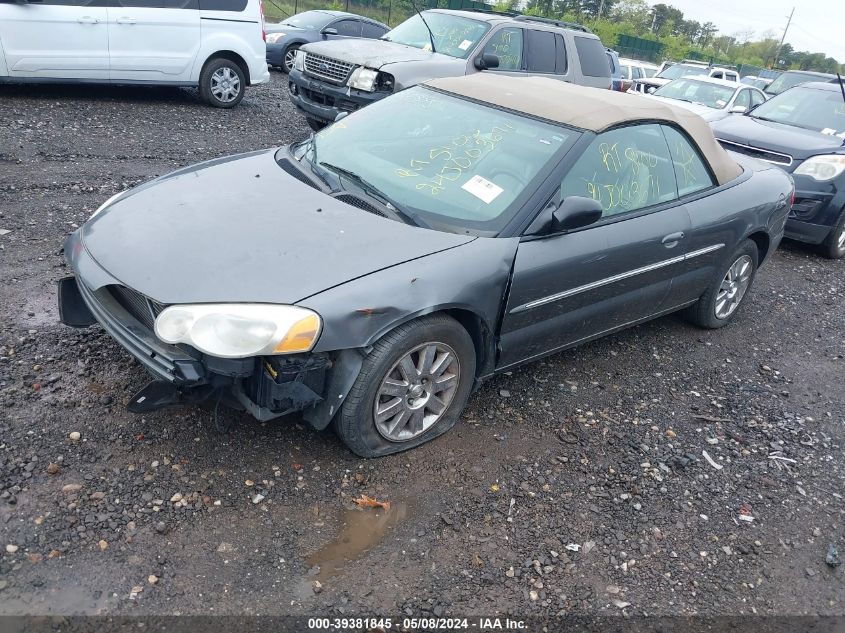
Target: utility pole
x,y
782,39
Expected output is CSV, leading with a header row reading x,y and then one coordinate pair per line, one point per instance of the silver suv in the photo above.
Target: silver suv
x,y
335,77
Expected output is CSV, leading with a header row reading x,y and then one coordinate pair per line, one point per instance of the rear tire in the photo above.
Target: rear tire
x,y
222,83
412,387
834,244
723,299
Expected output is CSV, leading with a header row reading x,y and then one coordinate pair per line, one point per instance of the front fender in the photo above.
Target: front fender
x,y
472,278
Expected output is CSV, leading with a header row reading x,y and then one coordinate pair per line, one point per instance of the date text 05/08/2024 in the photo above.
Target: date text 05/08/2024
x,y
416,624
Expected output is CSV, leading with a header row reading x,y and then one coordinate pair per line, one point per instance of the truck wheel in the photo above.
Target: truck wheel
x,y
412,388
314,124
222,83
834,244
729,287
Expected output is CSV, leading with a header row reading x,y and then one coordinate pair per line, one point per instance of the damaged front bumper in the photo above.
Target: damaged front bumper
x,y
267,387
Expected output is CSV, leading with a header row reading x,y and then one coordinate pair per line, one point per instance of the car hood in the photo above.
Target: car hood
x,y
242,229
371,53
786,139
708,114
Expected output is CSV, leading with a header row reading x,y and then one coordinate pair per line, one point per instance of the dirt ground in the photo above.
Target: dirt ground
x,y
575,485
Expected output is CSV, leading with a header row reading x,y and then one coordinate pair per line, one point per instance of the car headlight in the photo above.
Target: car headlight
x,y
299,61
272,38
107,203
363,79
822,168
240,330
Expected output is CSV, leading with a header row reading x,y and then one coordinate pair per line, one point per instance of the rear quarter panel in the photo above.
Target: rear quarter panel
x,y
236,31
3,70
755,203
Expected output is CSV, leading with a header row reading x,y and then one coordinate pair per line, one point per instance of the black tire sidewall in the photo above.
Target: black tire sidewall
x,y
830,248
205,82
704,312
355,423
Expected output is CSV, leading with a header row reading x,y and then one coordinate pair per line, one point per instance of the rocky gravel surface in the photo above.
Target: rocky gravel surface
x,y
664,470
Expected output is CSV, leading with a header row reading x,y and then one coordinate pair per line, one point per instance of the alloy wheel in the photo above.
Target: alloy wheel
x,y
225,84
734,286
290,56
416,392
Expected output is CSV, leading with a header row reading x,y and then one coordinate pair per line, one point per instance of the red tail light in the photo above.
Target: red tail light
x,y
261,10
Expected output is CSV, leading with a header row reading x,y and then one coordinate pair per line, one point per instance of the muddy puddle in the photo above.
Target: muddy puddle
x,y
362,529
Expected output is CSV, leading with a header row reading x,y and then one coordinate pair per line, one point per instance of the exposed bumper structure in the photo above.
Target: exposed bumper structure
x,y
814,214
323,101
267,387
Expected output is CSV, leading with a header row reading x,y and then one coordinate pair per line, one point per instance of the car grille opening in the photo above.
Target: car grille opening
x,y
327,68
144,309
761,154
355,201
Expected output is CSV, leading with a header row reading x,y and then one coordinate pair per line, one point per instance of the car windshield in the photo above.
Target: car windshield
x,y
695,91
788,80
680,70
311,20
454,36
456,165
809,108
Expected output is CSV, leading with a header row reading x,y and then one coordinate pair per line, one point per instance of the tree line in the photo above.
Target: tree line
x,y
680,37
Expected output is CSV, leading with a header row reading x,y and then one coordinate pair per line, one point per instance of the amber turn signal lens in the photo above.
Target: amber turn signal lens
x,y
301,336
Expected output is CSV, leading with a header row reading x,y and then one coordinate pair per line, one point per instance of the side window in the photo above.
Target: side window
x,y
717,74
222,5
756,98
506,44
690,170
142,4
636,72
373,30
743,99
347,28
593,56
731,77
624,169
560,52
540,52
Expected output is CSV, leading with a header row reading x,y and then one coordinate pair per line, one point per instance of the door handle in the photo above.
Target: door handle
x,y
87,19
671,240
125,20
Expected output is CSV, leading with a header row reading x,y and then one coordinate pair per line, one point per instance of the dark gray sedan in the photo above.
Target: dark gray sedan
x,y
285,38
372,275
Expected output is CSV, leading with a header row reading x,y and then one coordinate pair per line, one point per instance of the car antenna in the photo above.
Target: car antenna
x,y
428,28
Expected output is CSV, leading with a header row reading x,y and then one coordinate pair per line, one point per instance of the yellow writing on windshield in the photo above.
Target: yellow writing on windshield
x,y
446,163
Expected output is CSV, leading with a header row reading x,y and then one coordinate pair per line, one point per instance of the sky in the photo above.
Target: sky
x,y
816,26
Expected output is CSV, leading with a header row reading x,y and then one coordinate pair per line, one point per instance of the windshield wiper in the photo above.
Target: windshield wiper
x,y
376,193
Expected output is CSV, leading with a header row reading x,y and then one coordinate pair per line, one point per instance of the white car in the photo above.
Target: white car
x,y
670,72
711,99
633,69
215,45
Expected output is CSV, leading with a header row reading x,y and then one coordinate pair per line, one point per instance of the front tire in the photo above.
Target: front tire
x,y
722,300
833,246
222,83
412,387
287,58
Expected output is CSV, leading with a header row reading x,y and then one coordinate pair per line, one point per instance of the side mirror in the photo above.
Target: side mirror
x,y
329,31
738,109
650,89
574,212
486,61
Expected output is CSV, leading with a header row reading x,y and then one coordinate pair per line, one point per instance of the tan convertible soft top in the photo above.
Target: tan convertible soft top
x,y
588,109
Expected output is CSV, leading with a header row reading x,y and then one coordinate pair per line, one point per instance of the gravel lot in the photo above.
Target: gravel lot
x,y
578,484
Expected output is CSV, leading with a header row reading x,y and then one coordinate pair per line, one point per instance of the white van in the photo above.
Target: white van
x,y
216,45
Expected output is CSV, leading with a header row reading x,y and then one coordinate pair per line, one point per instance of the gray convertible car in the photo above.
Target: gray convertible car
x,y
372,275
